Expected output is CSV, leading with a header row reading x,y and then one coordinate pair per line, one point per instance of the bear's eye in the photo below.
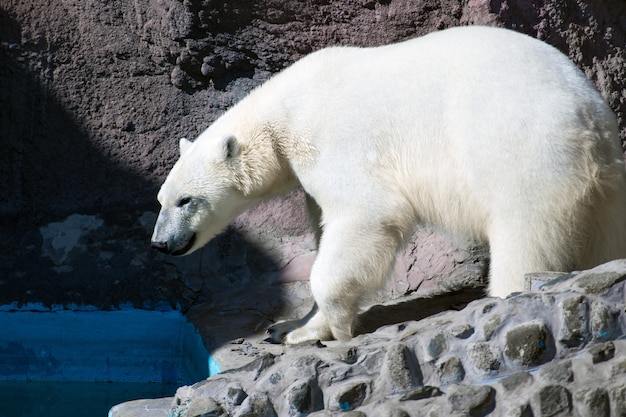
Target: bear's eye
x,y
183,201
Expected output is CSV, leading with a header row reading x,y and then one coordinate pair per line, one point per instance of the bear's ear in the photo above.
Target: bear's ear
x,y
230,147
184,145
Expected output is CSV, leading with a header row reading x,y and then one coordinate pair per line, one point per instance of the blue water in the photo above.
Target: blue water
x,y
68,363
73,399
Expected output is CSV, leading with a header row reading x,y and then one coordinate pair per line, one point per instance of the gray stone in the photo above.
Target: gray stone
x,y
306,364
462,331
437,345
400,370
472,399
603,321
558,372
527,344
421,393
256,405
617,397
204,407
602,352
599,283
235,395
301,398
574,321
491,326
483,357
512,382
554,399
348,354
451,371
592,402
350,396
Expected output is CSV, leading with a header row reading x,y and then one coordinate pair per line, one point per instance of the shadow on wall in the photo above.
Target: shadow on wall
x,y
75,225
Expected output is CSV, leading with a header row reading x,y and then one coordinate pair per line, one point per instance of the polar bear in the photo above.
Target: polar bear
x,y
484,132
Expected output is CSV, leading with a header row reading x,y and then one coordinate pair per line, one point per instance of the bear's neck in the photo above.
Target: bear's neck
x,y
264,168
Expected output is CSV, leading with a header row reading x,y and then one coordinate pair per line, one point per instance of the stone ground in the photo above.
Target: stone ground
x,y
557,351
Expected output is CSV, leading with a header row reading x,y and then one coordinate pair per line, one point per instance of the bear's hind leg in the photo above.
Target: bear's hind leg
x,y
521,246
606,225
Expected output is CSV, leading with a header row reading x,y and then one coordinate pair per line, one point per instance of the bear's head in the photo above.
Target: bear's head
x,y
200,195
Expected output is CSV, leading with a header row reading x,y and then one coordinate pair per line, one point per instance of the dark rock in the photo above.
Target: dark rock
x,y
517,380
483,357
205,407
617,397
574,321
491,326
306,366
488,307
301,398
474,400
599,282
421,393
527,344
400,369
592,402
256,405
348,354
235,395
602,352
351,396
554,399
462,331
603,321
437,345
451,370
559,372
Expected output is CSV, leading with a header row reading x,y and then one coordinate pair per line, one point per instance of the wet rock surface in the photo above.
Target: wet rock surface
x,y
417,368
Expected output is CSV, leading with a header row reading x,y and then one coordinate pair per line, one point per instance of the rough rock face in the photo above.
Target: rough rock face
x,y
559,351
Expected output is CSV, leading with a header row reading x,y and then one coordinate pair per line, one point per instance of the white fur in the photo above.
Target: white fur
x,y
482,131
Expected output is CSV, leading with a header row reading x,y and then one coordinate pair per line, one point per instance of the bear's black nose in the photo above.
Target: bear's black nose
x,y
160,246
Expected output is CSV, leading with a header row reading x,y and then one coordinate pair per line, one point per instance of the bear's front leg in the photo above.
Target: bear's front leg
x,y
354,258
312,327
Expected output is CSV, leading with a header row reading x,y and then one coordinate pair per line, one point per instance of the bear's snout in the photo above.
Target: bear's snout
x,y
174,249
160,246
